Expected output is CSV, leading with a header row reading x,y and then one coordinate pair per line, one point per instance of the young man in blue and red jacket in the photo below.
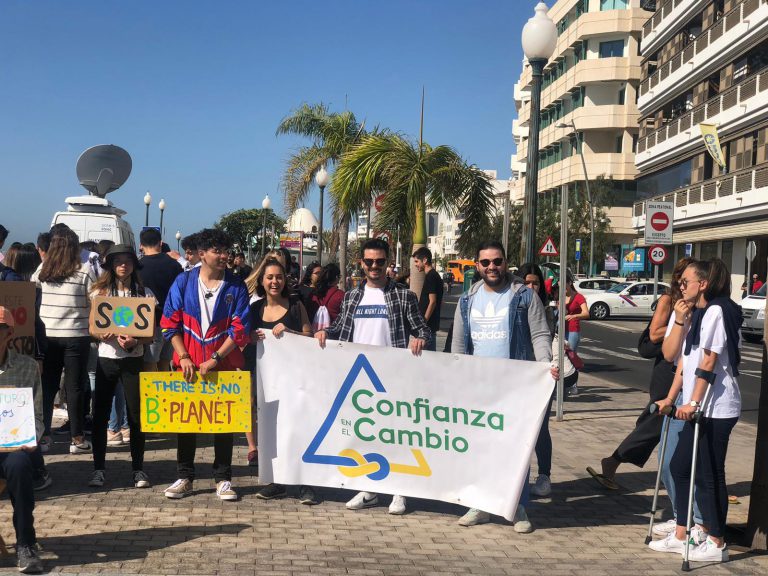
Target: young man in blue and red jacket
x,y
206,319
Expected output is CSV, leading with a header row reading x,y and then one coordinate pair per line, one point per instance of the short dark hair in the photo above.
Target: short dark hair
x,y
164,248
213,238
3,233
189,242
44,241
491,245
150,238
89,245
423,253
374,244
239,254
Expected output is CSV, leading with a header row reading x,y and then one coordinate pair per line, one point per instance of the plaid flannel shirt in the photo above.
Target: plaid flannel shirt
x,y
405,319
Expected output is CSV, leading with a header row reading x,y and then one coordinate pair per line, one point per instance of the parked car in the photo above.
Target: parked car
x,y
624,299
753,313
594,285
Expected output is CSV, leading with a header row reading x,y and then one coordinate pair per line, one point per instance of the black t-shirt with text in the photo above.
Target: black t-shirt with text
x,y
433,284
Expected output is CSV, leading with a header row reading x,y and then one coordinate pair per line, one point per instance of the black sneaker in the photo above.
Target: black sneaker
x,y
271,491
62,430
42,481
307,496
28,560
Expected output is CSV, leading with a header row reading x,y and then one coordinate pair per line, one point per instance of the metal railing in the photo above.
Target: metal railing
x,y
702,41
727,99
726,185
661,13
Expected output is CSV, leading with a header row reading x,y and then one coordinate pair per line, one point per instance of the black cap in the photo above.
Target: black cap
x,y
120,249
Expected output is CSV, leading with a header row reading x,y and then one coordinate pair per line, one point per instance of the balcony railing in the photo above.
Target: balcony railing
x,y
661,12
727,185
702,41
727,99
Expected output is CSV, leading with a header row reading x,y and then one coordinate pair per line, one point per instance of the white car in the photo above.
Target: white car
x,y
753,312
624,299
594,285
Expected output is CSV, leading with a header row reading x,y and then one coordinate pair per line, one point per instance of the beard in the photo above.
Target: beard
x,y
495,281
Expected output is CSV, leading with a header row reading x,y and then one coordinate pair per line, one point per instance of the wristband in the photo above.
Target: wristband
x,y
707,375
184,356
679,323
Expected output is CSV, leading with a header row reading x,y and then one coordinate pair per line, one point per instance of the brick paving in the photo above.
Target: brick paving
x,y
581,529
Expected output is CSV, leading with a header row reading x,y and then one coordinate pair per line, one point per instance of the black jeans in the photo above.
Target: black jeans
x,y
17,469
711,491
71,355
109,372
222,456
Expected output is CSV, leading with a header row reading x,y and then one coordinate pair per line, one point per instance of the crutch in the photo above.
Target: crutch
x,y
669,413
709,377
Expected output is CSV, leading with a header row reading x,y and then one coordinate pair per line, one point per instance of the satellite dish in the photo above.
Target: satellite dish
x,y
103,169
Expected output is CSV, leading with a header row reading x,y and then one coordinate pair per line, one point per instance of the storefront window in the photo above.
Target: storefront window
x,y
708,250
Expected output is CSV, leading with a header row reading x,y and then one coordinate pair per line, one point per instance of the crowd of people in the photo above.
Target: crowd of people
x,y
213,310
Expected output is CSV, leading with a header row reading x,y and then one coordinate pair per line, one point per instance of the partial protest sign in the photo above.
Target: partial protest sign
x,y
220,402
17,419
129,316
382,420
19,298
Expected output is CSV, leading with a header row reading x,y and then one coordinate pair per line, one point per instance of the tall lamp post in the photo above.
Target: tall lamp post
x,y
178,240
162,209
265,204
147,202
572,124
321,179
539,39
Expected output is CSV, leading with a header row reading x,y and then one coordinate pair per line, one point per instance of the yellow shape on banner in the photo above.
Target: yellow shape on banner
x,y
220,402
422,469
364,468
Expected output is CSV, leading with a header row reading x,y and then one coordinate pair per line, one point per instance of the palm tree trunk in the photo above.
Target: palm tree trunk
x,y
343,239
419,241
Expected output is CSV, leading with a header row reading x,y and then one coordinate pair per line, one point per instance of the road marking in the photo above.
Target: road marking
x,y
620,328
611,353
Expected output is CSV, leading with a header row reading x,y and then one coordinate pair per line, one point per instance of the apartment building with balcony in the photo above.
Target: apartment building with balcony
x,y
588,104
706,61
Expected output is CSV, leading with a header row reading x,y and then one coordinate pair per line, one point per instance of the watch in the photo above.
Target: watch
x,y
695,404
216,356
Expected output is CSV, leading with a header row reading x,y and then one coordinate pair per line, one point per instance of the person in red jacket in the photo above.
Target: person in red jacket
x,y
206,319
756,283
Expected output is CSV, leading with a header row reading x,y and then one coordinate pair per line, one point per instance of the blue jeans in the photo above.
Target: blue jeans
x,y
573,340
675,427
118,419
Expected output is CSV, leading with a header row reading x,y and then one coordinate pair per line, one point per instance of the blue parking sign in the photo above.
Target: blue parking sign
x,y
578,250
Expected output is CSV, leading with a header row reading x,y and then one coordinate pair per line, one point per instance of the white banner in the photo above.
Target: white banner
x,y
447,427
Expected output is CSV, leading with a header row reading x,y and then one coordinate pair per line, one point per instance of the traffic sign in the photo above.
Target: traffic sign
x,y
658,223
688,250
657,255
578,250
751,250
549,248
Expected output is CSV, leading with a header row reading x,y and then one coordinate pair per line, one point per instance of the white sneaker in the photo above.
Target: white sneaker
x,y
708,551
83,448
522,524
363,500
224,490
398,505
97,479
664,528
668,544
698,536
543,486
140,479
474,517
179,489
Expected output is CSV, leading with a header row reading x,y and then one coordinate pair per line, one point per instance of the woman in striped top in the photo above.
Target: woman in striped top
x,y
65,284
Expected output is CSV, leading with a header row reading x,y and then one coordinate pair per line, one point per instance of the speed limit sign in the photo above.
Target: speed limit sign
x,y
657,255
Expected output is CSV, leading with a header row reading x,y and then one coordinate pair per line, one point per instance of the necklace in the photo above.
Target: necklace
x,y
208,293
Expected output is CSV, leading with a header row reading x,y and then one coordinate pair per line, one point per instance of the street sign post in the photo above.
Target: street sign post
x,y
577,254
751,253
657,255
658,223
549,248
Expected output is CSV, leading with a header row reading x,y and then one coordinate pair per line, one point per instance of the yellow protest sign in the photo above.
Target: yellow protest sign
x,y
220,402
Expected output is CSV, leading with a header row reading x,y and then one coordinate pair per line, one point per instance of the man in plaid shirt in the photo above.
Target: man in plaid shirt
x,y
378,313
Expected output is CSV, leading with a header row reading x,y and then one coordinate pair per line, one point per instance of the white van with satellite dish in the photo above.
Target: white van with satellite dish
x,y
100,170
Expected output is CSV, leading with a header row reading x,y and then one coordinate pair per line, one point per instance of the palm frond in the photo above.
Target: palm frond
x,y
299,173
477,207
307,120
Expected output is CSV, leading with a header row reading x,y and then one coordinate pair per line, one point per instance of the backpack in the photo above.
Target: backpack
x,y
322,319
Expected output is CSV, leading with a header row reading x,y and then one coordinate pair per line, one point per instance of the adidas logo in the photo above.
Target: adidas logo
x,y
490,317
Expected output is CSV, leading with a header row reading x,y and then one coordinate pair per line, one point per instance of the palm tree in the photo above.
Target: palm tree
x,y
331,134
414,178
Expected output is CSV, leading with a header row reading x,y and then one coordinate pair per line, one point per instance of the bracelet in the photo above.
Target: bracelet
x,y
707,375
679,323
184,356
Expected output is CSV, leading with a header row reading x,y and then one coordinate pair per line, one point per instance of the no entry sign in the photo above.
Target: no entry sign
x,y
658,223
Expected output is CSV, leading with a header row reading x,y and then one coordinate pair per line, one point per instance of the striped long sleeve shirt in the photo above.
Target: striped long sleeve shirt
x,y
65,306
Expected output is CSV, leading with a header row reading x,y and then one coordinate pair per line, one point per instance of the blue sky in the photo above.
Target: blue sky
x,y
194,91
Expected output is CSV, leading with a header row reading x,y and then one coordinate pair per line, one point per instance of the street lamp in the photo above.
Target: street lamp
x,y
162,208
265,204
147,201
321,178
539,39
178,240
572,124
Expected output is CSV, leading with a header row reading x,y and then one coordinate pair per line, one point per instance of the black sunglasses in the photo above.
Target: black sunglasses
x,y
485,262
371,261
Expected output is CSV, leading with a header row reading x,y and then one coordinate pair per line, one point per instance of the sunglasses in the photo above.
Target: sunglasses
x,y
485,262
369,262
684,283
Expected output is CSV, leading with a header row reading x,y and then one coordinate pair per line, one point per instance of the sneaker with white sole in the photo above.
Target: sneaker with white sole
x,y
114,438
670,543
83,447
97,479
363,500
522,525
179,489
224,490
474,517
698,535
542,487
708,551
140,479
397,507
664,528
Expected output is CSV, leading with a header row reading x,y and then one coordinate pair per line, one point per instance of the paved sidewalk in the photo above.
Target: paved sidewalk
x,y
582,529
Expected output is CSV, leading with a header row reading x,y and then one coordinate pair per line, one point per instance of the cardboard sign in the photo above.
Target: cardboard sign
x,y
130,316
17,419
221,402
19,297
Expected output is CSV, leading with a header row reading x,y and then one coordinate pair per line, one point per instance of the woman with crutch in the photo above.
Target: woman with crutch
x,y
711,406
